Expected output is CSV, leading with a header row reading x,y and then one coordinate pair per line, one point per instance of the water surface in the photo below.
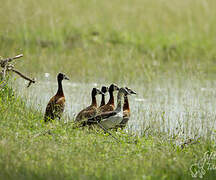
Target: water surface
x,y
174,107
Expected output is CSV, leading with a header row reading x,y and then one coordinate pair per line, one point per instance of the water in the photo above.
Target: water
x,y
179,107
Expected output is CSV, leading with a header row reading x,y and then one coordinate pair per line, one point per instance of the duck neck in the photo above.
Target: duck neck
x,y
102,100
60,89
94,101
119,102
126,103
111,100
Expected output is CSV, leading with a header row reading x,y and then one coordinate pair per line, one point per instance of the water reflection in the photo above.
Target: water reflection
x,y
189,110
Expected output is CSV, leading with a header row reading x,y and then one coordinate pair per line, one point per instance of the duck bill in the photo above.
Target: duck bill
x,y
133,92
66,78
117,88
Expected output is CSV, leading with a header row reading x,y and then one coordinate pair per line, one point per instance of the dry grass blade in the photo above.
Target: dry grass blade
x,y
187,142
43,133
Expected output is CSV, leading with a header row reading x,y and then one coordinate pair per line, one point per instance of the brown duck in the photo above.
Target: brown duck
x,y
89,111
110,106
111,119
56,104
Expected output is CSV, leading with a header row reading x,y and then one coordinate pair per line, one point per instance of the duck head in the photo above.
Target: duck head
x,y
130,91
104,89
123,91
96,91
62,76
113,87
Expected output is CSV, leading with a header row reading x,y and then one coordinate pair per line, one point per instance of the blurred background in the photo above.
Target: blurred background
x,y
116,40
165,50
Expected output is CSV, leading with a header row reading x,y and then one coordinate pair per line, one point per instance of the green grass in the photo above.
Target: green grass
x,y
72,153
145,44
149,39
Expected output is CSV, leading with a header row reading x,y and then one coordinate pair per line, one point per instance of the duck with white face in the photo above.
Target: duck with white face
x,y
56,104
89,111
110,105
112,118
104,90
126,109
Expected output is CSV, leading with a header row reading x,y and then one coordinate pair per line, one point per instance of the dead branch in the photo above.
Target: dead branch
x,y
24,77
5,64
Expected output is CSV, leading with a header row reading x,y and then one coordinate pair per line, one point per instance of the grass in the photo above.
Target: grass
x,y
70,153
147,45
156,39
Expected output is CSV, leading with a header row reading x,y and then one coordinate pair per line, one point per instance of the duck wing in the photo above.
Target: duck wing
x,y
106,108
86,113
59,107
112,121
49,110
101,116
55,108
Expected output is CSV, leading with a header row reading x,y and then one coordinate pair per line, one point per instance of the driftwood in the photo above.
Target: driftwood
x,y
7,66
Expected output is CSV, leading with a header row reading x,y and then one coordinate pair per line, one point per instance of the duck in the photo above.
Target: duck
x,y
56,104
104,90
126,109
110,106
91,110
110,119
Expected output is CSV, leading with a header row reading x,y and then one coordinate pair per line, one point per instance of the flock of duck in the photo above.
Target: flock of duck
x,y
106,115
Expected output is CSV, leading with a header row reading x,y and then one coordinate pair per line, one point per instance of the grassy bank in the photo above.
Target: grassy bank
x,y
65,152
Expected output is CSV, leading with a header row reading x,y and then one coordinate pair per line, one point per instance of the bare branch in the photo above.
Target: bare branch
x,y
24,77
3,62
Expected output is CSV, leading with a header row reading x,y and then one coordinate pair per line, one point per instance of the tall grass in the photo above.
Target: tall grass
x,y
104,40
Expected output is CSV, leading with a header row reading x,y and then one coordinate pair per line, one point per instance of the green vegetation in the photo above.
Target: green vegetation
x,y
144,43
108,39
65,152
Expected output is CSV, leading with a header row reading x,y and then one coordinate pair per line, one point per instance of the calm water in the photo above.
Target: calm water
x,y
186,108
